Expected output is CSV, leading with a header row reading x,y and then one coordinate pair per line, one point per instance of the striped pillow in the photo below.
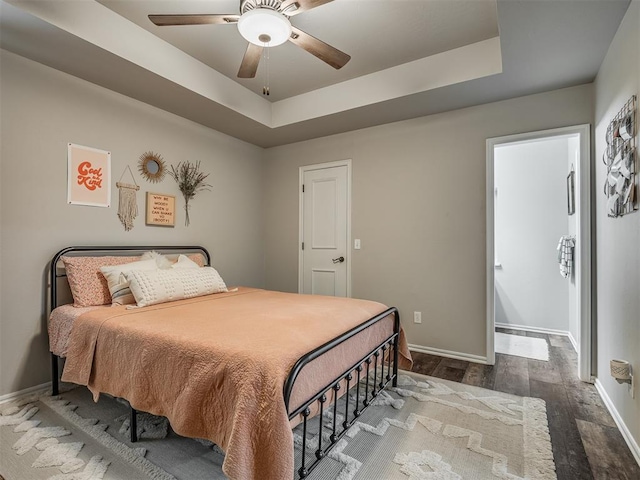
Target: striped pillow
x,y
119,285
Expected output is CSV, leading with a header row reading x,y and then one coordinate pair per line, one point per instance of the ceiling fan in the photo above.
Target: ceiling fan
x,y
265,23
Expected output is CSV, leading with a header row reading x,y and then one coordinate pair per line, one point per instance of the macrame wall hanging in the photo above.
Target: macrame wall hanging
x,y
127,201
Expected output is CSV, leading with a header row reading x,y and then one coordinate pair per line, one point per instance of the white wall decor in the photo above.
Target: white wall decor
x,y
89,176
127,201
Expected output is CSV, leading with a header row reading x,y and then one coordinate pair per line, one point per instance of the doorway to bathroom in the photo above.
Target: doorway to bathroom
x,y
538,243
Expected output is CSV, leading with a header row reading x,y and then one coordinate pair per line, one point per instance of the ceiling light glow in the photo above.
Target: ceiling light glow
x,y
261,24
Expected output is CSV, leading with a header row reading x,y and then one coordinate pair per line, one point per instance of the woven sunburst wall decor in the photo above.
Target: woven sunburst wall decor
x,y
152,166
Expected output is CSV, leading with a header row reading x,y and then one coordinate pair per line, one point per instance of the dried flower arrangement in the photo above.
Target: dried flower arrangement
x,y
190,181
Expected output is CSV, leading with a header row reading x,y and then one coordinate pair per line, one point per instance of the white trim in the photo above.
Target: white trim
x,y
27,391
583,254
347,253
490,254
626,434
449,354
583,237
575,347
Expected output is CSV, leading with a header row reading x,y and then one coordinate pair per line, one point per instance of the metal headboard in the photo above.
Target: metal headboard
x,y
57,271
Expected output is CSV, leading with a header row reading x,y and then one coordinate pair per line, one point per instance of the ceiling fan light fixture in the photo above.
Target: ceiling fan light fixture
x,y
261,24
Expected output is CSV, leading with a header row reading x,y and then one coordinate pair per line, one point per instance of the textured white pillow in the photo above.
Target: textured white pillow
x,y
150,287
119,285
185,262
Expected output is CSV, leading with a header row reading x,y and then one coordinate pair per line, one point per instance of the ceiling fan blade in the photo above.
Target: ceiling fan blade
x,y
188,19
250,61
323,51
294,7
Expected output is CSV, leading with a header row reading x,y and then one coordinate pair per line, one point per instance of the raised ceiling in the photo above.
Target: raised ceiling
x,y
409,58
377,34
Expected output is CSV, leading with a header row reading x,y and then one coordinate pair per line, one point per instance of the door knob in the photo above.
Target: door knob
x,y
338,260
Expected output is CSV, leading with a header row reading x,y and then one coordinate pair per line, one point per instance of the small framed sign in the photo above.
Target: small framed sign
x,y
161,210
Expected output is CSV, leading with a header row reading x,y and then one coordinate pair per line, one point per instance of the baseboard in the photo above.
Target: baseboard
x,y
27,391
573,342
449,354
626,434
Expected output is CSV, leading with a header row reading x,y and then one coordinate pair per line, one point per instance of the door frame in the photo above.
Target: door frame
x,y
583,236
347,253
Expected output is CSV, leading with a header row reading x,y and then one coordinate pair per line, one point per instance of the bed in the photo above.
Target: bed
x,y
240,368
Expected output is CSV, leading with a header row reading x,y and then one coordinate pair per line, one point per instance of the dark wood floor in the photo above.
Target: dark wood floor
x,y
586,442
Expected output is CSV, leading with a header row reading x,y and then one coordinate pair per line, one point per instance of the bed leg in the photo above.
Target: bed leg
x,y
55,382
395,349
133,426
394,383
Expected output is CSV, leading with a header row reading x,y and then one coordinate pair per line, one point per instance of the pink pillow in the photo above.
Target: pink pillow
x,y
88,285
198,258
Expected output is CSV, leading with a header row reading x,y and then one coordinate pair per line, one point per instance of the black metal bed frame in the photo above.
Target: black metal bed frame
x,y
378,355
384,352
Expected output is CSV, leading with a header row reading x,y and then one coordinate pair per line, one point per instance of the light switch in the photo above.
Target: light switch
x,y
356,244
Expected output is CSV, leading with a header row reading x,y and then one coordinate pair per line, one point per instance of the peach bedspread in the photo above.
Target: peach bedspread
x,y
61,323
215,366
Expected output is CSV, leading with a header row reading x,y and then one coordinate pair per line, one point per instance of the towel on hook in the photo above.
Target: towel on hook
x,y
565,254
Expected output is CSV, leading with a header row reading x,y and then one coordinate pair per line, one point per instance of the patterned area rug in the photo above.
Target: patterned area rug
x,y
426,428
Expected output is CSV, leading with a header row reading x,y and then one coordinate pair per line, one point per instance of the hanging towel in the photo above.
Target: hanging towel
x,y
565,254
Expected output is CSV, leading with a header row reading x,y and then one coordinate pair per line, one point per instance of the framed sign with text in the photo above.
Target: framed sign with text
x,y
161,210
89,176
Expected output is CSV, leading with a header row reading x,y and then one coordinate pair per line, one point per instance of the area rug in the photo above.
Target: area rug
x,y
521,346
426,428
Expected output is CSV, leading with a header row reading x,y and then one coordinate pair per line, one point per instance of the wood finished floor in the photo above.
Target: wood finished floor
x,y
586,442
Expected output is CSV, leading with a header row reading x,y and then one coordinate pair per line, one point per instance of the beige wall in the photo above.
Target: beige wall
x,y
418,207
43,110
618,239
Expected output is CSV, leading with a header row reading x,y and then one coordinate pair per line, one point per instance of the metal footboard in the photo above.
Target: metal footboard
x,y
385,352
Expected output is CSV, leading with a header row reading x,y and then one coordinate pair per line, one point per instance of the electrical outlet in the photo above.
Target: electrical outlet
x,y
417,317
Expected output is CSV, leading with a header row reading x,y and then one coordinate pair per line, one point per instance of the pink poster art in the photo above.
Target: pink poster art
x,y
89,181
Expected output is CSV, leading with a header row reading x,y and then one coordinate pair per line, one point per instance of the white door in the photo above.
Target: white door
x,y
324,227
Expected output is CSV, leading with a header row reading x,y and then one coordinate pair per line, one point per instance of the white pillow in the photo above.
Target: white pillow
x,y
150,287
185,262
118,284
161,260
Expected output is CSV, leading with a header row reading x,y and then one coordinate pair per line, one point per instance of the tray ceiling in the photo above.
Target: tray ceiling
x,y
377,34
